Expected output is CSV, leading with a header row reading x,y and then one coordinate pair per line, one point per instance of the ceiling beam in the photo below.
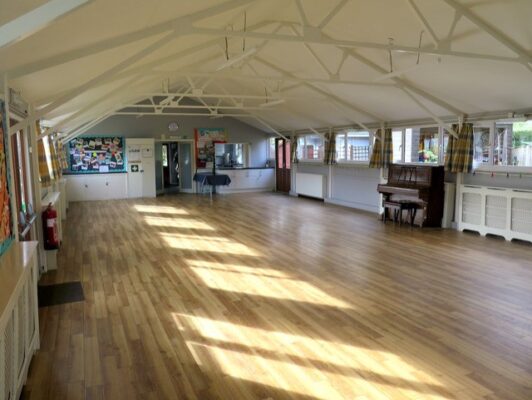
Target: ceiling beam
x,y
182,114
401,83
180,25
302,14
524,55
92,82
35,20
424,21
88,107
323,39
192,107
325,21
228,75
323,92
437,119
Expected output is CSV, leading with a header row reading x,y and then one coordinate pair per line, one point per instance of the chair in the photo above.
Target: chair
x,y
398,206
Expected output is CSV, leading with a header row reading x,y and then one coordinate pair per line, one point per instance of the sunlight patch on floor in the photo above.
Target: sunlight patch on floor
x,y
207,244
238,268
160,209
186,223
323,368
273,287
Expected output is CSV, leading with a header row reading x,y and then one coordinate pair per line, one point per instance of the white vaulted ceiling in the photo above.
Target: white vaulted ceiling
x,y
327,59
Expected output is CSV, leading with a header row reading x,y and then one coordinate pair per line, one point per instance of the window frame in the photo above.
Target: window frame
x,y
305,159
441,136
269,148
23,179
345,161
490,166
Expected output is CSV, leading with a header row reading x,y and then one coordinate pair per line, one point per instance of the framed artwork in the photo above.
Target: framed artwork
x,y
96,155
6,224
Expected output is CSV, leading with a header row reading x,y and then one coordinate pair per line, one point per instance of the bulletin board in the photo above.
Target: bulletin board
x,y
96,155
6,225
205,140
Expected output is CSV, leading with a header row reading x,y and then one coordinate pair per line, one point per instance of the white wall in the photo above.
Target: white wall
x,y
352,186
155,126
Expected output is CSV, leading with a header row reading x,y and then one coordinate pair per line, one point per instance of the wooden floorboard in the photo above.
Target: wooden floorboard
x,y
263,296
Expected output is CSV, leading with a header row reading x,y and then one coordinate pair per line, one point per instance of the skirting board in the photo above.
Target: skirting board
x,y
352,204
229,191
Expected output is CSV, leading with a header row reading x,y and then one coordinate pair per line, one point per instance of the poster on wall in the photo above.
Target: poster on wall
x,y
205,140
6,232
96,155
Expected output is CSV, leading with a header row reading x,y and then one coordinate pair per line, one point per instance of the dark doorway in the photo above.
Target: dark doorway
x,y
282,164
170,167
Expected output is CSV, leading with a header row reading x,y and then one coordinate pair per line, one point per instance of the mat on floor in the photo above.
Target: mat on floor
x,y
61,293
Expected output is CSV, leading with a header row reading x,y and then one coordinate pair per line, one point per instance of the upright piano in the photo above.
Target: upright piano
x,y
422,184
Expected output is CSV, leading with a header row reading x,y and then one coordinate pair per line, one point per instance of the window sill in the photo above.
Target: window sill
x,y
353,164
420,163
310,162
503,169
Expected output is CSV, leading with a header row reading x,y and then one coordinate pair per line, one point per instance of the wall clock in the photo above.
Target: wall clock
x,y
173,126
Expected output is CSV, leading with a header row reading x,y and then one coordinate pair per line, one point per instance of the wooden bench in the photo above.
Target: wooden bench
x,y
398,206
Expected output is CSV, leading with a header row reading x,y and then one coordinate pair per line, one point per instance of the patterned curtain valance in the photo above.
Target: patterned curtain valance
x,y
382,154
330,148
459,155
293,150
45,176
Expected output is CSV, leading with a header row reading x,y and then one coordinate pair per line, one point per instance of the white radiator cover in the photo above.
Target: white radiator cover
x,y
312,185
497,211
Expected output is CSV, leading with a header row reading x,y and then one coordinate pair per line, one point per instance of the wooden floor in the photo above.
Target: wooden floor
x,y
271,297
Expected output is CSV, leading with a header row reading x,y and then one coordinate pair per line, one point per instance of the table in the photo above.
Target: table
x,y
208,178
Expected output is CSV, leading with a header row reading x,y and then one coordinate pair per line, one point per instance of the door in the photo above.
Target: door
x,y
282,164
141,168
185,166
159,178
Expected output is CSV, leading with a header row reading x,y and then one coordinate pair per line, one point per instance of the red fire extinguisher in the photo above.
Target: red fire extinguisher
x,y
49,223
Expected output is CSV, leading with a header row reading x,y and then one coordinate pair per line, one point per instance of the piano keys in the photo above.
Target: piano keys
x,y
423,184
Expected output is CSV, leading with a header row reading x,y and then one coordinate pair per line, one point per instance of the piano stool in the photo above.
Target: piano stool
x,y
398,206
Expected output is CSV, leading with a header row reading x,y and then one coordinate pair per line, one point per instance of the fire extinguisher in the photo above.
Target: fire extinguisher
x,y
49,223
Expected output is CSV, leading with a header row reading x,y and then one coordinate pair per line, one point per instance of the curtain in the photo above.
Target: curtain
x,y
382,154
330,149
451,145
44,172
375,160
56,166
387,148
61,153
462,151
293,150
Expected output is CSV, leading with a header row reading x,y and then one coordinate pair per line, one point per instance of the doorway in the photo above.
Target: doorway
x,y
173,172
282,165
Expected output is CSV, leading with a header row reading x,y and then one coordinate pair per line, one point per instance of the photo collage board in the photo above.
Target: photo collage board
x,y
96,154
6,225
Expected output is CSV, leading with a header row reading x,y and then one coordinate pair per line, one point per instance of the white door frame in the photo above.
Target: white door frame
x,y
192,142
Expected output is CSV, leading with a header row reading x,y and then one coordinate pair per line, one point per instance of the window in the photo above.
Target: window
x,y
165,155
22,182
481,143
422,145
271,148
397,143
352,146
513,144
48,154
310,147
